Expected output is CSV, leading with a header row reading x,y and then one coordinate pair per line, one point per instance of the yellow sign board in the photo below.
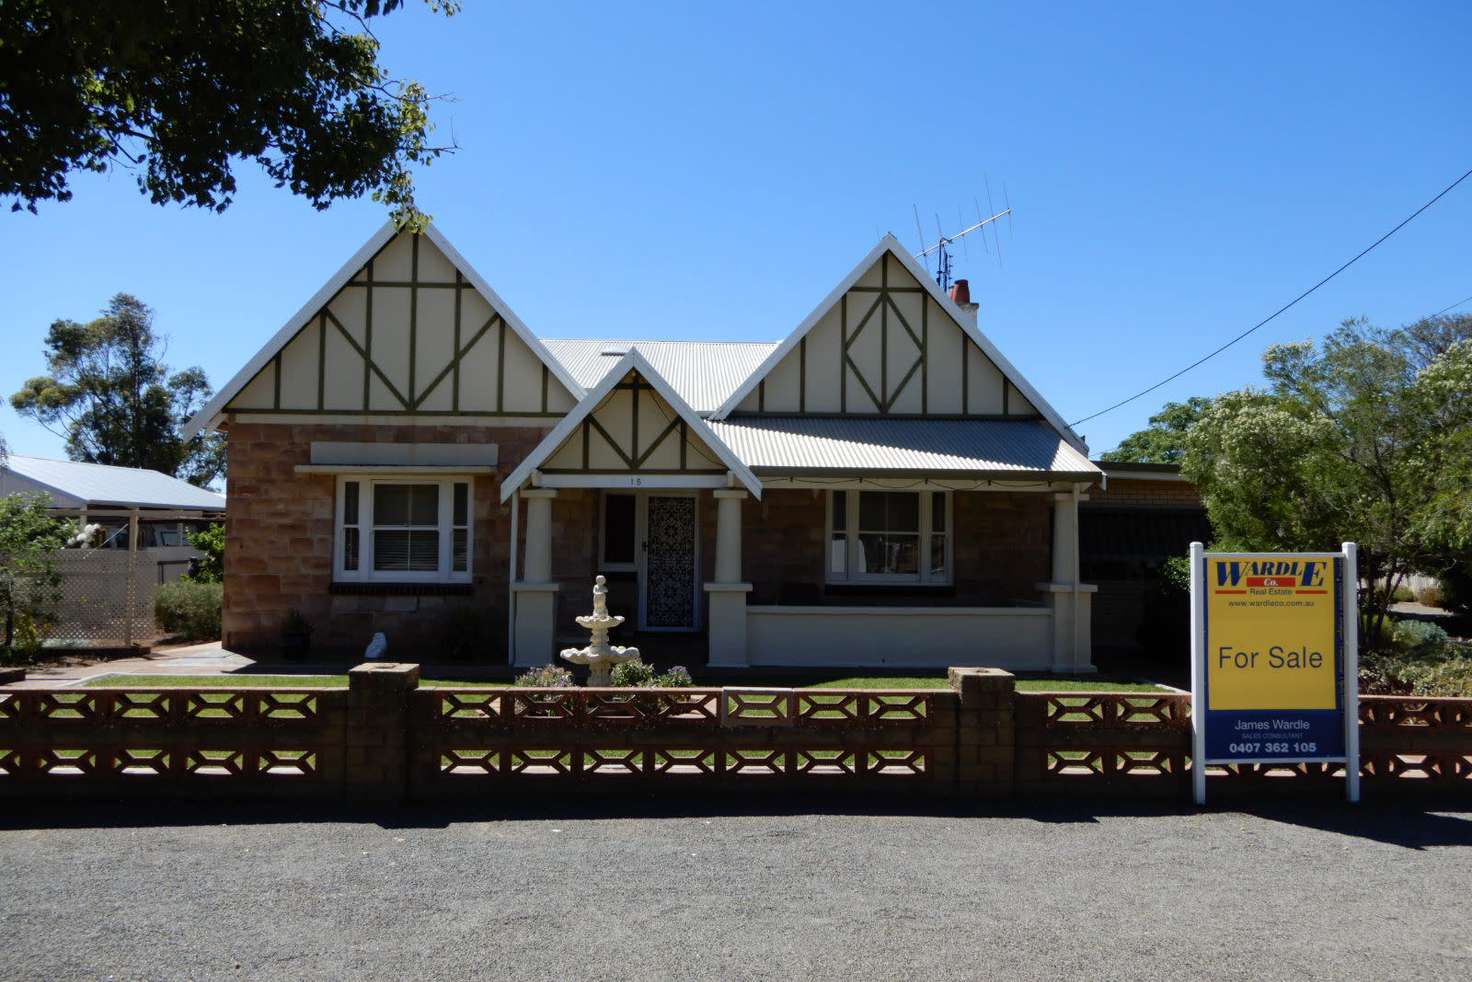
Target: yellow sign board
x,y
1271,636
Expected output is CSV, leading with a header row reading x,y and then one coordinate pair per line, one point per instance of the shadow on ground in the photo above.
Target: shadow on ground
x,y
1414,824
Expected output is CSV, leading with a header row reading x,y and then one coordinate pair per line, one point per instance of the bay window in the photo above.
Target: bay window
x,y
403,530
889,537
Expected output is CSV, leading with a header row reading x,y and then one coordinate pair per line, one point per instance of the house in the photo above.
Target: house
x,y
105,495
879,487
107,591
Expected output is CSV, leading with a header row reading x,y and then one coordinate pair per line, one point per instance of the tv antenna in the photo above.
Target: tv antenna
x,y
941,248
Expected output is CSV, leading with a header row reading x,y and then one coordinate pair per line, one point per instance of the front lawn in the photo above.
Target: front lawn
x,y
1023,685
239,681
338,681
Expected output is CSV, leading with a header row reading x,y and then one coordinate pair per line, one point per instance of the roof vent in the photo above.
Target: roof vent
x,y
614,352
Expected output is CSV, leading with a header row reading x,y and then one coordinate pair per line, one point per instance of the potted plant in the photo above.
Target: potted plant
x,y
296,635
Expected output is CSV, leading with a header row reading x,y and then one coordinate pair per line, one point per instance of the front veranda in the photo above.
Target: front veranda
x,y
819,572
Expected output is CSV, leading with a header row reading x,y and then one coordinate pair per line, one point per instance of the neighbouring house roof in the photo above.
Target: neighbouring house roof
x,y
1001,449
209,415
704,373
73,485
892,246
1133,471
633,361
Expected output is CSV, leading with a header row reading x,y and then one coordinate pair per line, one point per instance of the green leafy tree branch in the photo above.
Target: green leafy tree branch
x,y
179,90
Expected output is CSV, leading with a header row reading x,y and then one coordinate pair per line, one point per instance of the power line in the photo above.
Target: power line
x,y
1452,307
1283,309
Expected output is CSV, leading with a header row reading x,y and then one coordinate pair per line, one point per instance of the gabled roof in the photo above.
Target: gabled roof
x,y
704,373
632,361
892,245
208,416
1007,450
74,484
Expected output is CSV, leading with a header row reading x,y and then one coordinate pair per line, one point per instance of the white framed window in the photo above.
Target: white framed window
x,y
618,541
889,537
401,530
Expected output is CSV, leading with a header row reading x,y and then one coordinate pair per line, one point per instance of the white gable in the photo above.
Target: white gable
x,y
406,327
887,341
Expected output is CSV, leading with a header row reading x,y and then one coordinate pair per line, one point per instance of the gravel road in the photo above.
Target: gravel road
x,y
810,889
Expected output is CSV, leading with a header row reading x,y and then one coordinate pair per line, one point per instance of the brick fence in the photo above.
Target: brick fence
x,y
384,737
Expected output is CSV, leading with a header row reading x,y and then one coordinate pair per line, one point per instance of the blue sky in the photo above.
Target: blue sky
x,y
704,171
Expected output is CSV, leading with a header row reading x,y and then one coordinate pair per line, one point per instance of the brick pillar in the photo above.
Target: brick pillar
x,y
986,732
377,737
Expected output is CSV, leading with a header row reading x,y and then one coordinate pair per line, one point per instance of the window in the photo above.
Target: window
x,y
400,530
889,537
619,531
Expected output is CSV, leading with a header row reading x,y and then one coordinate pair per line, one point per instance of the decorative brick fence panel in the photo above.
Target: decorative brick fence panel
x,y
1140,744
384,737
1103,742
927,741
178,741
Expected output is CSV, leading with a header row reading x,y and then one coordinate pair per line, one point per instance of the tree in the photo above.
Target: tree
x,y
178,90
210,541
1164,441
29,582
111,397
1353,439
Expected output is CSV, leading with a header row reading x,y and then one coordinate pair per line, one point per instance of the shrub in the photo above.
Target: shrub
x,y
1419,638
1403,594
678,677
1429,595
546,677
637,675
30,586
633,674
189,610
1421,661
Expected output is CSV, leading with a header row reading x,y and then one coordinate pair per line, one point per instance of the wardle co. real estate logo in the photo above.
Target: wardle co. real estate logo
x,y
1272,657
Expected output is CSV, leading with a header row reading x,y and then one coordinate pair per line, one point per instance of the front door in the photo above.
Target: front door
x,y
668,581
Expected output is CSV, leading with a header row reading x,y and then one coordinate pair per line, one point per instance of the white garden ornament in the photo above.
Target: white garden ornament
x,y
599,655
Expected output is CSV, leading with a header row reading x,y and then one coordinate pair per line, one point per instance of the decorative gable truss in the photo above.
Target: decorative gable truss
x,y
632,429
407,328
887,342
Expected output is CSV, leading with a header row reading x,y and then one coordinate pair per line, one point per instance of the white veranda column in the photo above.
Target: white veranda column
x,y
538,567
1070,599
536,593
1065,538
728,591
728,536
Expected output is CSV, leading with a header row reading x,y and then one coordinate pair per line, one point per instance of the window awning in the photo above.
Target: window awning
x,y
862,446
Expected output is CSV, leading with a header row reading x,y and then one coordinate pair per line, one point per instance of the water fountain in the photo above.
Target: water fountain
x,y
599,655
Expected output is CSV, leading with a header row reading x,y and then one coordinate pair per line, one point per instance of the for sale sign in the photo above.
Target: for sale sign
x,y
1273,674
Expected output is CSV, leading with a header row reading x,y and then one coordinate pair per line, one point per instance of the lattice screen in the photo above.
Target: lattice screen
x,y
99,598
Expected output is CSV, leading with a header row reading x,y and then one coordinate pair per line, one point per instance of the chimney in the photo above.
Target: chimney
x,y
961,297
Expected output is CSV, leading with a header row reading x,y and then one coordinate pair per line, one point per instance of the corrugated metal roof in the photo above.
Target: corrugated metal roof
x,y
102,484
1000,448
704,373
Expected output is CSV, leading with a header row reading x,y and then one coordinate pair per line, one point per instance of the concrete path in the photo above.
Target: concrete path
x,y
732,889
209,658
